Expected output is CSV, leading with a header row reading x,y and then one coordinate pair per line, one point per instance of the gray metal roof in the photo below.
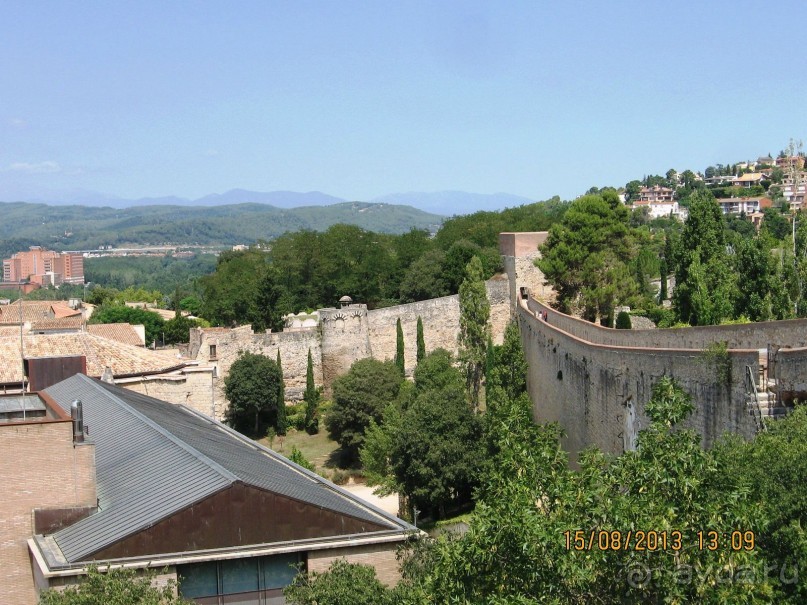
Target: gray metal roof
x,y
31,403
154,458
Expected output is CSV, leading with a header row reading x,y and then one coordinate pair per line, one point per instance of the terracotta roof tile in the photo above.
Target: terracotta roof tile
x,y
35,310
122,332
100,352
73,322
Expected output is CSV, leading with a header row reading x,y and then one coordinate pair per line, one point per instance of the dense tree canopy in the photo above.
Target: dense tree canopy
x,y
428,445
528,539
360,397
252,387
586,256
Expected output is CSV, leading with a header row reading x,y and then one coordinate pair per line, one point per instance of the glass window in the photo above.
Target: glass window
x,y
198,580
279,570
239,575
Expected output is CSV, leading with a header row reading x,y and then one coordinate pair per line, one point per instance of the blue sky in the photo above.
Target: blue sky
x,y
361,99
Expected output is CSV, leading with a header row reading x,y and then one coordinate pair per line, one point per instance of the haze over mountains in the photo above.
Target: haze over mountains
x,y
445,203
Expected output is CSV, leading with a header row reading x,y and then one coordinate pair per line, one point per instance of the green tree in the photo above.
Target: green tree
x,y
252,387
775,224
342,584
282,423
297,457
704,288
515,549
761,291
359,397
399,348
311,398
585,254
474,327
775,466
632,190
424,278
114,586
177,330
191,304
230,294
456,260
509,365
421,341
112,313
428,445
623,321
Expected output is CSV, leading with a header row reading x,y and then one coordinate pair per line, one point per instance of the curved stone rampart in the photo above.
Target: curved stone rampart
x,y
790,333
598,391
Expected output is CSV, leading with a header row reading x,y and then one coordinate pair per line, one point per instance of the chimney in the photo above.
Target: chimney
x,y
108,376
77,414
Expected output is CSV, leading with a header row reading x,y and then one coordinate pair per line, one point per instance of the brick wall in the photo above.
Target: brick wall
x,y
40,468
380,556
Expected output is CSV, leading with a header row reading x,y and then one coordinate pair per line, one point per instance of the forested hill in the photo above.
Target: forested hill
x,y
84,227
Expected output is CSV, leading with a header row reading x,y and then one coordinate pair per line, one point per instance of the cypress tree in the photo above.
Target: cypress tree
x,y
399,348
421,341
664,270
474,327
311,398
490,360
281,400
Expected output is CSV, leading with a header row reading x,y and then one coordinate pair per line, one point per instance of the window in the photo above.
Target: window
x,y
212,352
251,581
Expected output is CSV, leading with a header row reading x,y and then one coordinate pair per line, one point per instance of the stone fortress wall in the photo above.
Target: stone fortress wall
x,y
220,347
596,381
342,337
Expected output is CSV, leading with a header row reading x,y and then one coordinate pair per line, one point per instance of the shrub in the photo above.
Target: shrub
x,y
623,321
297,457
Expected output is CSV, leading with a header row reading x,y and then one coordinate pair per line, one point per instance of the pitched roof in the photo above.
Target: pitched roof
x,y
154,459
35,310
122,332
122,359
72,322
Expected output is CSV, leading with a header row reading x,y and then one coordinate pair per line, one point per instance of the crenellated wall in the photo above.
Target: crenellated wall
x,y
342,337
229,343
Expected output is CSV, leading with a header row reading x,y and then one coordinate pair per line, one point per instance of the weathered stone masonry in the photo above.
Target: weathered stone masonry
x,y
596,381
342,337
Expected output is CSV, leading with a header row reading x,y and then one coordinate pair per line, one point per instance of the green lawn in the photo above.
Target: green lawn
x,y
316,448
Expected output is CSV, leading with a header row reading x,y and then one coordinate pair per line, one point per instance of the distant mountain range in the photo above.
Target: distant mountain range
x,y
445,203
80,227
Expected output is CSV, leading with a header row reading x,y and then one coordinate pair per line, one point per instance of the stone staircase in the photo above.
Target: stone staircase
x,y
761,400
769,407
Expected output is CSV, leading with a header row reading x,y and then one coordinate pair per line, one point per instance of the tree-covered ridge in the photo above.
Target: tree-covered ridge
x,y
600,256
83,227
310,270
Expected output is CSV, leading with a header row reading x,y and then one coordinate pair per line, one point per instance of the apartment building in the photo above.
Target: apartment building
x,y
44,267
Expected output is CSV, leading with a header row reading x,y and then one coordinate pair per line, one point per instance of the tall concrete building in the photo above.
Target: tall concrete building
x,y
44,267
